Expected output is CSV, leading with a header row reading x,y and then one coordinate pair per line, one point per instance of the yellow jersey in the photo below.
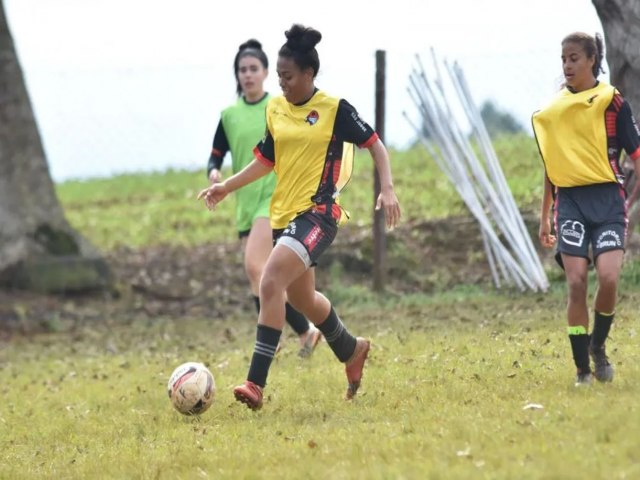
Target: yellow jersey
x,y
309,146
573,134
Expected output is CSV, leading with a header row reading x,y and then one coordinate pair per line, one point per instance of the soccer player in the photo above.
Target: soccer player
x,y
240,127
305,143
581,135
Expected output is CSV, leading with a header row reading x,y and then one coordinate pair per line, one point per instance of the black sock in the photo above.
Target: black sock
x,y
267,339
580,349
337,336
256,300
601,326
298,321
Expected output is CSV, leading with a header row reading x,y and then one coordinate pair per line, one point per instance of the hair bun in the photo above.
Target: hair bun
x,y
251,43
302,39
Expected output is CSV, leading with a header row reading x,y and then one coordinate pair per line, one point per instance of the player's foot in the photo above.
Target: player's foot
x,y
250,394
604,370
314,335
584,379
355,365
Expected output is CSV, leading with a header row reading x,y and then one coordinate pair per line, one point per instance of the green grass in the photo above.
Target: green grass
x,y
443,397
160,208
444,392
145,209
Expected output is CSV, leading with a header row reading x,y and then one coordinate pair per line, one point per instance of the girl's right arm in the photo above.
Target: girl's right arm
x,y
546,239
218,150
218,191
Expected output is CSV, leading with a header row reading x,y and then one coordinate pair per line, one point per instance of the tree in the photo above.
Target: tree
x,y
38,248
621,24
498,121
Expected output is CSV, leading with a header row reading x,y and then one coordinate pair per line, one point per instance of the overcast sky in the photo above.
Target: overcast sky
x,y
125,85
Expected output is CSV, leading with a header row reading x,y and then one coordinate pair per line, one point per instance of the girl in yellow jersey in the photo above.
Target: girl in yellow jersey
x,y
306,145
240,127
581,135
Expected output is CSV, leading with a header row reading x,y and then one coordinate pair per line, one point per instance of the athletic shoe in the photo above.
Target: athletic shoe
x,y
355,365
604,370
584,379
250,394
313,337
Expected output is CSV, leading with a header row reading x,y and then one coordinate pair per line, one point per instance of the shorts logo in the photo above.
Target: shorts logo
x,y
314,236
608,238
312,118
572,233
291,229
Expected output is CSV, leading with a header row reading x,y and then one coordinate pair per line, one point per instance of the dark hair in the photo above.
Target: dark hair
x,y
300,47
250,48
592,46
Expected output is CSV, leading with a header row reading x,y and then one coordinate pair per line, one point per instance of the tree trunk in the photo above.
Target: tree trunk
x,y
621,24
38,248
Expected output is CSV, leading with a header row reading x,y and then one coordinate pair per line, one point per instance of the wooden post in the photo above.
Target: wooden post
x,y
379,233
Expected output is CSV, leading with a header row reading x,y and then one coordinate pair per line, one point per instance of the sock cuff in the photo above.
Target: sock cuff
x,y
266,328
576,330
603,314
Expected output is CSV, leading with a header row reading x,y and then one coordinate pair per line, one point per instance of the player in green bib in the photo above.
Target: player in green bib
x,y
240,128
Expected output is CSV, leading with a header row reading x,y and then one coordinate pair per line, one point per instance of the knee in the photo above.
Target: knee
x,y
577,287
608,280
270,286
253,270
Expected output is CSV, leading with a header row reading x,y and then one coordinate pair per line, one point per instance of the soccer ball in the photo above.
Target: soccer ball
x,y
191,388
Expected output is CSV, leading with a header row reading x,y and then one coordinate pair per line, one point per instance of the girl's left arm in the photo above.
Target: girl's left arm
x,y
387,199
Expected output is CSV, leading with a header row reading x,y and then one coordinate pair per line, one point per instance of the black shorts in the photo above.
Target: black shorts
x,y
591,215
308,235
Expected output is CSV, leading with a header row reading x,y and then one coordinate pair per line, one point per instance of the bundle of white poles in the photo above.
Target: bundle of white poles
x,y
476,174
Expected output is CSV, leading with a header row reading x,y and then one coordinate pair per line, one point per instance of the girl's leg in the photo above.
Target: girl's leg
x,y
282,267
578,314
257,247
608,267
348,349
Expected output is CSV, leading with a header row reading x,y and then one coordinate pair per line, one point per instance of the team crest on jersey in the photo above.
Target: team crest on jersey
x,y
312,118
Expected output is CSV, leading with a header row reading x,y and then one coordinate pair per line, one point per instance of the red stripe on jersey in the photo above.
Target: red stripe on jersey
x,y
336,212
261,158
611,125
336,170
617,100
216,152
635,155
372,139
325,173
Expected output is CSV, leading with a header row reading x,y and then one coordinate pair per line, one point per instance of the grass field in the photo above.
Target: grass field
x,y
468,383
445,395
143,210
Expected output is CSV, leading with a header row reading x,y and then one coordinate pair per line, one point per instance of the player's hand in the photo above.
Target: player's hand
x,y
547,240
388,202
213,195
215,176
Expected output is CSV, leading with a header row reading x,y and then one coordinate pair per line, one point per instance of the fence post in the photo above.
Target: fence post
x,y
379,233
